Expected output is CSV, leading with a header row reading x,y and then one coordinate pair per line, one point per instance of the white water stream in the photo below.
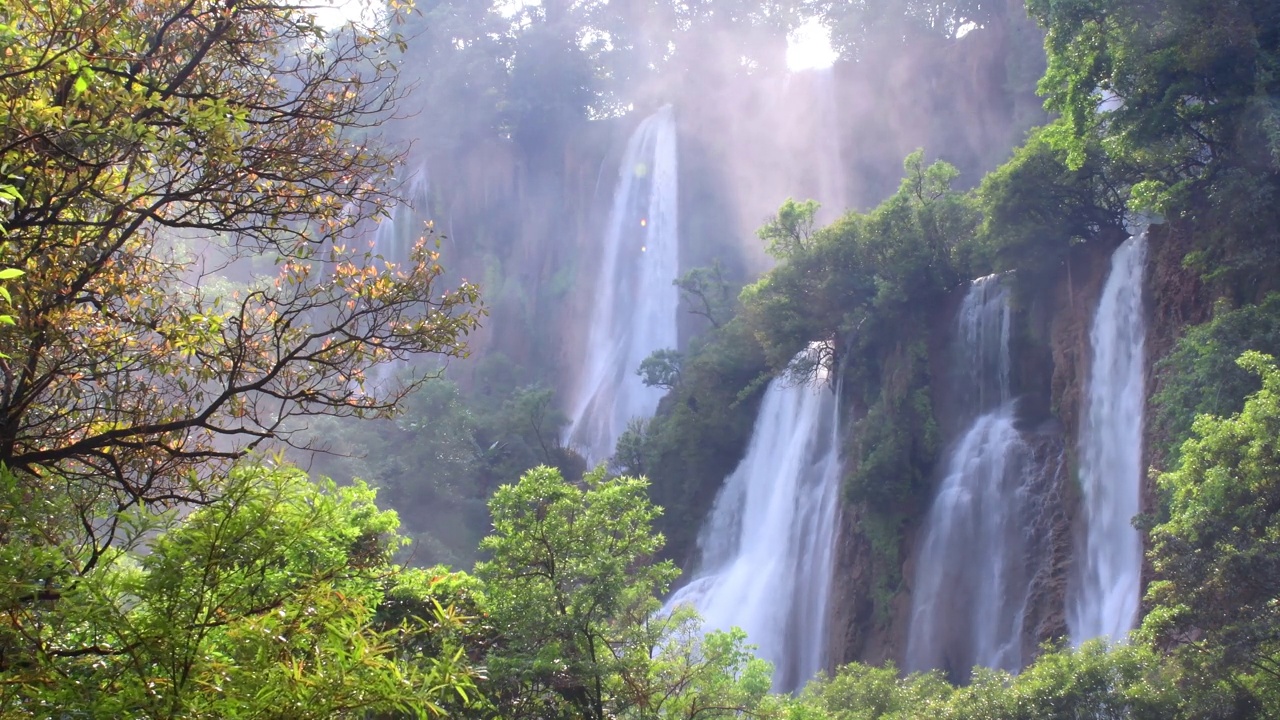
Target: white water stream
x,y
972,580
635,303
769,543
395,236
1104,595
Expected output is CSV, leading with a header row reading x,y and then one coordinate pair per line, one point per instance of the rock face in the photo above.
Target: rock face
x,y
852,608
1049,372
1176,299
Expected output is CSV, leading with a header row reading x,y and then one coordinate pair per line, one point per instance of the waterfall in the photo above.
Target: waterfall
x,y
1103,600
975,569
830,168
395,236
635,302
768,546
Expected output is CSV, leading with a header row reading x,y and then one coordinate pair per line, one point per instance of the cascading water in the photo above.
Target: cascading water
x,y
768,545
635,302
830,166
973,575
396,235
1103,601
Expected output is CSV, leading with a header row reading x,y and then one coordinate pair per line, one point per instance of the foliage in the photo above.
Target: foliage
x,y
1182,85
571,594
859,29
1093,681
439,460
696,676
885,268
883,530
1036,206
897,440
260,604
707,292
661,369
1183,92
700,431
571,589
165,146
632,454
427,463
1200,376
788,232
1218,555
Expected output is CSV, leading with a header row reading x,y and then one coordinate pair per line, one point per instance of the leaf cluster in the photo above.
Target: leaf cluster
x,y
1218,554
261,604
239,131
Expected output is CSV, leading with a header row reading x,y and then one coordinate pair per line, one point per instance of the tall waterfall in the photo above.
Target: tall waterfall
x,y
973,576
396,235
829,166
768,545
1104,595
635,302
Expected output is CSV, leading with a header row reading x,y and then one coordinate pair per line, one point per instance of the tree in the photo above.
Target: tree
x,y
788,232
261,604
697,676
1201,375
1035,206
1217,557
166,148
1180,84
1183,91
706,291
661,369
427,465
860,29
631,456
571,590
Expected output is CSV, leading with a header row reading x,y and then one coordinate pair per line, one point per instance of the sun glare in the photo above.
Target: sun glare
x,y
809,47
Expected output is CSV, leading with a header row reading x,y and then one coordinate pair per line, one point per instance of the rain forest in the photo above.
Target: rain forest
x,y
640,359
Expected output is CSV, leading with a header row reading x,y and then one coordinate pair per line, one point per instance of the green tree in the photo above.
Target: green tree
x,y
570,587
571,591
426,463
1201,375
1094,681
260,604
167,147
1184,93
706,291
1036,206
631,455
693,676
1182,85
662,368
788,232
1217,557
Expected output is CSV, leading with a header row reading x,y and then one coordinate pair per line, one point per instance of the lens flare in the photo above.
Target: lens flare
x,y
643,222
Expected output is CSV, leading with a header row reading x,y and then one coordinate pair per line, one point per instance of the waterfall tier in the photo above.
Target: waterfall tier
x,y
1103,597
635,301
981,546
768,545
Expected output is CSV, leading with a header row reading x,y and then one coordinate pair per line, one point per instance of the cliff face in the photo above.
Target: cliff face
x,y
1051,351
1175,299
